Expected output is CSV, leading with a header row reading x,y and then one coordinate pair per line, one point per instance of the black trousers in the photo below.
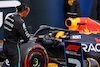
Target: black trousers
x,y
12,52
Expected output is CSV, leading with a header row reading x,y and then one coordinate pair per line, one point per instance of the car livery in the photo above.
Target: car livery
x,y
57,47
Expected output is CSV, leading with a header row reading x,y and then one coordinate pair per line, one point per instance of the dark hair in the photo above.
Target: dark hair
x,y
21,8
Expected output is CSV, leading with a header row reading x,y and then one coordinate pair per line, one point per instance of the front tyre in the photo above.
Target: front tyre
x,y
33,55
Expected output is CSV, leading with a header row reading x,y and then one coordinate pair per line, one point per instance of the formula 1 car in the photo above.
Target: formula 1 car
x,y
57,47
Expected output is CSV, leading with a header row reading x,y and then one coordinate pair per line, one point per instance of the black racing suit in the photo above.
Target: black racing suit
x,y
14,28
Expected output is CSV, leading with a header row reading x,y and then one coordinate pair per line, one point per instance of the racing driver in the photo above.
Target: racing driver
x,y
14,28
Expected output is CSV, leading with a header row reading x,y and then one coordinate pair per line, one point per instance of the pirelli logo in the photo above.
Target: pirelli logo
x,y
72,47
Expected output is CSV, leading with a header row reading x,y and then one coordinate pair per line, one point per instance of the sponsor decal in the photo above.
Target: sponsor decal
x,y
38,46
76,37
72,53
72,47
91,47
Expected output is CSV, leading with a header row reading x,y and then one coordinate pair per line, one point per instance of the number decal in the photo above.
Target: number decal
x,y
74,61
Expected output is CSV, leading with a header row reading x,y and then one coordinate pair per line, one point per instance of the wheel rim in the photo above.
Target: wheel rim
x,y
35,62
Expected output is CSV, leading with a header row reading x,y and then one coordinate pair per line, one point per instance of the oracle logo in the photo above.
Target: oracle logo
x,y
91,47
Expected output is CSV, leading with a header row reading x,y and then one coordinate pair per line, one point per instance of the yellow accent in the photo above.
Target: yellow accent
x,y
52,65
85,21
74,22
1,41
63,36
70,2
35,38
89,62
89,32
59,34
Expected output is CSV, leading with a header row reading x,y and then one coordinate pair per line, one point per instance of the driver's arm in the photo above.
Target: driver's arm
x,y
23,32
